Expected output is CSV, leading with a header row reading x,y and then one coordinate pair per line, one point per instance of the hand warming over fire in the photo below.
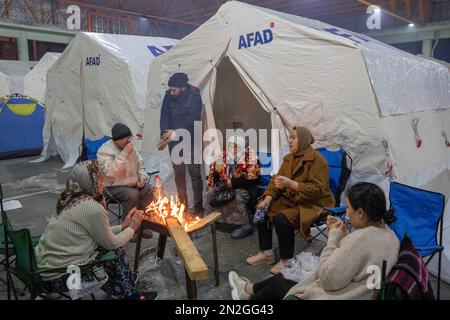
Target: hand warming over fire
x,y
126,221
136,220
165,139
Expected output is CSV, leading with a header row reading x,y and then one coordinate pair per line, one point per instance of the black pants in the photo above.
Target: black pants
x,y
197,183
273,288
132,197
285,234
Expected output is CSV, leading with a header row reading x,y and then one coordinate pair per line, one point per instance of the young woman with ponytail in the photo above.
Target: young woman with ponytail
x,y
349,262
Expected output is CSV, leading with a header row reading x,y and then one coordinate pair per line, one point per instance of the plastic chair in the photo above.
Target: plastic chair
x,y
420,215
339,170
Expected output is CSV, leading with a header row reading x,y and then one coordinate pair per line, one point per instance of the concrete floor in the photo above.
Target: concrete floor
x,y
37,187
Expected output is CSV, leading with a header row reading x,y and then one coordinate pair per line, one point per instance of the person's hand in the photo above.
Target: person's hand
x,y
283,182
128,148
126,221
165,139
162,145
331,220
229,184
167,136
140,183
264,204
136,220
339,225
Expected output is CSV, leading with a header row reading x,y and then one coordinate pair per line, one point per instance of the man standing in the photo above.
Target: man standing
x,y
181,107
123,171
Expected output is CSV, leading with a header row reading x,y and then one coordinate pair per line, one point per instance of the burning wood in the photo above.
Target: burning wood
x,y
158,211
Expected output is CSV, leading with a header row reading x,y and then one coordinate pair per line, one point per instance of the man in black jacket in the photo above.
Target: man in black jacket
x,y
181,108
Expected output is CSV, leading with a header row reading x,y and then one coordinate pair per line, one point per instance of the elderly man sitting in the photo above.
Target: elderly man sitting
x,y
123,171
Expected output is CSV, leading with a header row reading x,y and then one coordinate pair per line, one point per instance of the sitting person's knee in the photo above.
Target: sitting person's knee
x,y
280,218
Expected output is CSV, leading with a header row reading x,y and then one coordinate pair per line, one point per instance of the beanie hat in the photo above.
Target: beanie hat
x,y
178,80
119,131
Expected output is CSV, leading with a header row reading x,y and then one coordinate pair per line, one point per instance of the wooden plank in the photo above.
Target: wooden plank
x,y
210,218
193,262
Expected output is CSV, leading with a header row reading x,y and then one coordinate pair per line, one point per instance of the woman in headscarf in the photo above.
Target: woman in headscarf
x,y
80,234
293,199
237,168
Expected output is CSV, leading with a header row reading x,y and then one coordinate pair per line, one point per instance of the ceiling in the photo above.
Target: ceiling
x,y
195,12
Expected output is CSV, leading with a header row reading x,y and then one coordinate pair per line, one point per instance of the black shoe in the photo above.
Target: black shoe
x,y
242,232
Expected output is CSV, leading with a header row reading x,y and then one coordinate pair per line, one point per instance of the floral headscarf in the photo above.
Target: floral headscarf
x,y
82,182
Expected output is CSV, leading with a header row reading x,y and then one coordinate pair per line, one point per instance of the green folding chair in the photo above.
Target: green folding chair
x,y
26,269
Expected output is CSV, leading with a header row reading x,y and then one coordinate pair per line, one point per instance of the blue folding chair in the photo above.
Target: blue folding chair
x,y
339,170
92,147
419,215
265,160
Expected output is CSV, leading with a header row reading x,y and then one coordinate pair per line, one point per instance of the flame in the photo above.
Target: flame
x,y
164,207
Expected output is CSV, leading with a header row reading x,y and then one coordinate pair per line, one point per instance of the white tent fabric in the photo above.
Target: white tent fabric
x,y
12,75
34,82
265,69
99,79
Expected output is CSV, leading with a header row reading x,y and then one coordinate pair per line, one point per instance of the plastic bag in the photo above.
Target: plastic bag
x,y
301,267
89,284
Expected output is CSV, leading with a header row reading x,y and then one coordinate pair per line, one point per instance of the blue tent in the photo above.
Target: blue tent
x,y
21,123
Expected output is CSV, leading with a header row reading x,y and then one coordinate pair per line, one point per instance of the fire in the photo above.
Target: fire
x,y
164,207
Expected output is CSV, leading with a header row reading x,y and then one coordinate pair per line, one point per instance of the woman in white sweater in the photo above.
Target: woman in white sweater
x,y
80,233
346,262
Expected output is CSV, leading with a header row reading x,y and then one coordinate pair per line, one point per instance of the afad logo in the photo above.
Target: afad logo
x,y
253,39
158,51
93,61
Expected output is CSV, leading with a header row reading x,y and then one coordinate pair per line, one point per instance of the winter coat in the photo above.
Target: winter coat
x,y
181,112
310,171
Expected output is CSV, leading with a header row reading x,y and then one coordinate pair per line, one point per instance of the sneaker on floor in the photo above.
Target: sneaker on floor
x,y
238,286
276,269
260,258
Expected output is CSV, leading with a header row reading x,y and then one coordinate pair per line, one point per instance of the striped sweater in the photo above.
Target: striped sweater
x,y
73,237
344,271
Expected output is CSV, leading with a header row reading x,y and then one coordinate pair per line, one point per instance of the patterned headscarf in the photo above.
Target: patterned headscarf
x,y
82,182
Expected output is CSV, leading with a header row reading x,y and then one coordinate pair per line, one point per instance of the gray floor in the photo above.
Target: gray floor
x,y
37,187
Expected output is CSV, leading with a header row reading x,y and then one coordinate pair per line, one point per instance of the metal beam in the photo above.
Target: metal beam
x,y
371,3
30,10
35,33
126,12
406,34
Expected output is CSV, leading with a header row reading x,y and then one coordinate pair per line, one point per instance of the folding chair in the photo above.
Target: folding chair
x,y
7,248
26,270
419,215
339,170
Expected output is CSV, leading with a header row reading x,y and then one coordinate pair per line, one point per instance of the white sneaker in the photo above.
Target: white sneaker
x,y
238,286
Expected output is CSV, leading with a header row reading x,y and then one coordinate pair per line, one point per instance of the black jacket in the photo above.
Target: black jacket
x,y
181,112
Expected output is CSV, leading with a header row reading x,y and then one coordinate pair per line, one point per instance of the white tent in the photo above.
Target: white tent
x,y
34,82
259,68
98,80
12,74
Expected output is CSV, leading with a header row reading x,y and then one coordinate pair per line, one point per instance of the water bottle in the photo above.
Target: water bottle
x,y
260,216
